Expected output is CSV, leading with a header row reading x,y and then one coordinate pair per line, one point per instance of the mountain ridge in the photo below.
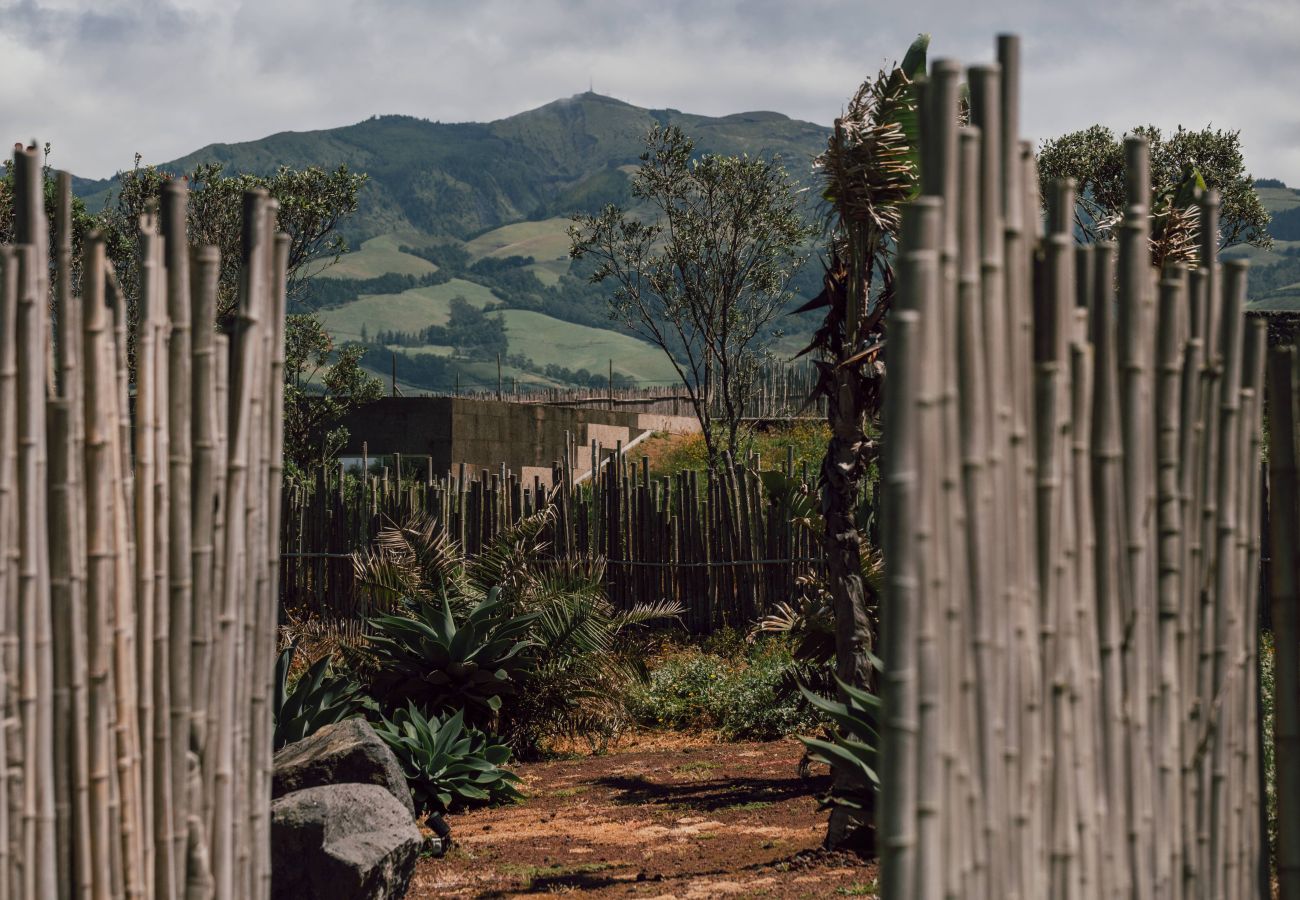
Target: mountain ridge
x,y
438,179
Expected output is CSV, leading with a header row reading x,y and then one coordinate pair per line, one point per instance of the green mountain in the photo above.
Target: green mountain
x,y
478,212
459,180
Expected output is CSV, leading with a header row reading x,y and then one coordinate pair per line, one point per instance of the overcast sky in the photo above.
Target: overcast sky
x,y
104,79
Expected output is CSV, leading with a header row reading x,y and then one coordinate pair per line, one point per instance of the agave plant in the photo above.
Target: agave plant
x,y
447,763
854,745
430,658
318,698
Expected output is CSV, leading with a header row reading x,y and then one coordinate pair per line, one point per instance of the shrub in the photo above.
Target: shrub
x,y
569,655
318,698
448,764
854,744
429,658
750,693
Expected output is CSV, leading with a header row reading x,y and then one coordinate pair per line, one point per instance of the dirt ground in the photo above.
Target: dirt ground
x,y
659,817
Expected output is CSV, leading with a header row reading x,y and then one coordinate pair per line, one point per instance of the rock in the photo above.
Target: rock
x,y
347,752
342,842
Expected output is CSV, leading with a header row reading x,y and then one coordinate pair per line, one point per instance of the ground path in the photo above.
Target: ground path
x,y
661,817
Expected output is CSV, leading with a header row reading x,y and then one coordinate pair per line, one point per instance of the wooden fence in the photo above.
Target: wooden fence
x,y
1072,492
723,545
782,390
138,562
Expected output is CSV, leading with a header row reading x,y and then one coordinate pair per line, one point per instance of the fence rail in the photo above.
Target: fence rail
x,y
722,544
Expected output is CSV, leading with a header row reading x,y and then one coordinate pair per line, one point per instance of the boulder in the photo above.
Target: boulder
x,y
342,842
347,752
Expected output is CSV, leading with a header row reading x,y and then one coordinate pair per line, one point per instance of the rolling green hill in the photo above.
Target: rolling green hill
x,y
502,193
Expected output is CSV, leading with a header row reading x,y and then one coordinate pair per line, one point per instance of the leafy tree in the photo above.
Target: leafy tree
x,y
1094,158
313,431
705,280
312,203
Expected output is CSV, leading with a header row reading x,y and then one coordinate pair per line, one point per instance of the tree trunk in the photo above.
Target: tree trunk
x,y
841,476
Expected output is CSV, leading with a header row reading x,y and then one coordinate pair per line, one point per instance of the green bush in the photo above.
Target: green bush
x,y
748,691
448,764
318,698
442,661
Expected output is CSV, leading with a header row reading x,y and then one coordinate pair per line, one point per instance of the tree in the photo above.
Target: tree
x,y
706,278
1094,158
318,393
312,203
870,168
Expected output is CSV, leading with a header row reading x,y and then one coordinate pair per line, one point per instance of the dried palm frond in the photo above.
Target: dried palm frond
x,y
416,560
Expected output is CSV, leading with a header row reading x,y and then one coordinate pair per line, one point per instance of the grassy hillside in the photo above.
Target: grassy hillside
x,y
495,190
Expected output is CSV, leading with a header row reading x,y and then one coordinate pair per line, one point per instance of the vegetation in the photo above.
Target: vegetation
x,y
424,655
1094,158
745,690
322,384
526,645
670,454
705,277
447,763
318,698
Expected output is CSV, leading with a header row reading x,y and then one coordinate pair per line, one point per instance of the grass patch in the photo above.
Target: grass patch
x,y
408,311
747,691
379,256
702,765
805,440
570,791
547,340
530,875
751,806
547,240
860,889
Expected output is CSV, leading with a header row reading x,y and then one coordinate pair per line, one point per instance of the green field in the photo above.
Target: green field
x,y
550,341
544,241
1283,299
408,311
1277,199
379,256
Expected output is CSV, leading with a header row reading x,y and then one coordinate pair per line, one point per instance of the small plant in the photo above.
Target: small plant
x,y
448,764
748,691
855,744
318,698
430,659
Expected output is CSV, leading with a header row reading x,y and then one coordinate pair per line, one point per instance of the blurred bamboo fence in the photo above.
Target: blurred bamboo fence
x,y
1072,490
728,546
1284,589
138,559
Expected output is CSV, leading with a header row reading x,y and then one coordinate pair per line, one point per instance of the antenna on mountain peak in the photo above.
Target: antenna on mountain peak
x,y
591,85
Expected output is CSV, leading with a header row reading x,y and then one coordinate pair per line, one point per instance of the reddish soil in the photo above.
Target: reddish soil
x,y
662,817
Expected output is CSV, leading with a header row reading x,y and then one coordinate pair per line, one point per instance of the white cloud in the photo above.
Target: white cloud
x,y
103,79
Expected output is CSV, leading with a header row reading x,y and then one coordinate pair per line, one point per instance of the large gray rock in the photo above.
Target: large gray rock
x,y
347,752
342,842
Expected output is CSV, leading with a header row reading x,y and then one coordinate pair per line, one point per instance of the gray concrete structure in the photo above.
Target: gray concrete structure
x,y
527,438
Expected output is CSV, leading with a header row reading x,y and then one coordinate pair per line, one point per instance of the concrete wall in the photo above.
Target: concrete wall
x,y
527,438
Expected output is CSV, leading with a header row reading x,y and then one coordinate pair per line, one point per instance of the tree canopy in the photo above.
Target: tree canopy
x,y
704,278
1094,158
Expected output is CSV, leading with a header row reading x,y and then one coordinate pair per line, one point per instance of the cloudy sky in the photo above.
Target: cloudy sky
x,y
104,79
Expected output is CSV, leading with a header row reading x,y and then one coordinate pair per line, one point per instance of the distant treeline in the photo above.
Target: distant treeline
x,y
1285,226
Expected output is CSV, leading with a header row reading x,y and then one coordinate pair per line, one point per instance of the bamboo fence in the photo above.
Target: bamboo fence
x,y
1072,487
138,559
725,544
1284,589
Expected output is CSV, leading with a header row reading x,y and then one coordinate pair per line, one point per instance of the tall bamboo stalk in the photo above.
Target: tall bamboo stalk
x,y
110,527
1107,434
